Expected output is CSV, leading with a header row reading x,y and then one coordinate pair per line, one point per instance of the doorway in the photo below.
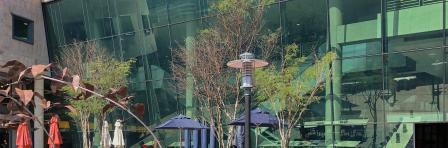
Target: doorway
x,y
431,135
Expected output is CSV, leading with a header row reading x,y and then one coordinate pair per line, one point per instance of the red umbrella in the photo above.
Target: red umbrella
x,y
23,139
55,135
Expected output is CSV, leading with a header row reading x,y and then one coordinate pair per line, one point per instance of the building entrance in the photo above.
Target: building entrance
x,y
431,135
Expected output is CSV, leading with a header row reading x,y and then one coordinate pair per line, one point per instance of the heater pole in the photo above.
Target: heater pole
x,y
247,97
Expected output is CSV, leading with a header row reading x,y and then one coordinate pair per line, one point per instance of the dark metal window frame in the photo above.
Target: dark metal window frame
x,y
30,29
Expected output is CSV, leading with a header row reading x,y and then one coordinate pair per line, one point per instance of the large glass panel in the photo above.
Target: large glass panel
x,y
158,13
163,44
206,7
357,90
305,24
126,14
272,18
137,85
183,10
361,102
158,73
354,21
98,19
130,45
52,25
111,45
72,19
404,33
184,33
416,87
148,38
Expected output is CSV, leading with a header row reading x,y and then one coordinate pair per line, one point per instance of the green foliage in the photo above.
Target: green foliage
x,y
289,85
103,73
230,5
83,107
96,67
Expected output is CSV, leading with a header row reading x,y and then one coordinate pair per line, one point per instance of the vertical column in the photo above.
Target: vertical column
x,y
333,84
328,111
189,85
189,80
385,70
189,102
39,113
444,59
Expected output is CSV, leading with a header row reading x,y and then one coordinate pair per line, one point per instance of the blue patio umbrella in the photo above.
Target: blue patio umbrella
x,y
258,118
182,122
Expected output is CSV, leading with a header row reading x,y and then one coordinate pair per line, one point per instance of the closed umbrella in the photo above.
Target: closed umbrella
x,y
118,140
54,136
105,136
23,136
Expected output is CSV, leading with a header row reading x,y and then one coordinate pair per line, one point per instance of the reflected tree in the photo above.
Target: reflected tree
x,y
372,95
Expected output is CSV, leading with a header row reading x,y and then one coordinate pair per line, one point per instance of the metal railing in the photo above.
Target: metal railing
x,y
394,5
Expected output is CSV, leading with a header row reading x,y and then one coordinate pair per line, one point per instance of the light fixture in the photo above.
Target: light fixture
x,y
405,78
247,64
438,63
47,1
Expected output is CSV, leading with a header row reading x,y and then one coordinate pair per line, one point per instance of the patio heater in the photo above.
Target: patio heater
x,y
247,64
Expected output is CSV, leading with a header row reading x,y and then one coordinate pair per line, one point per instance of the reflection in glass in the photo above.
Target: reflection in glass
x,y
417,89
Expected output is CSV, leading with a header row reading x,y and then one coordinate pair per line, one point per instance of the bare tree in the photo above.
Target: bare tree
x,y
372,95
237,29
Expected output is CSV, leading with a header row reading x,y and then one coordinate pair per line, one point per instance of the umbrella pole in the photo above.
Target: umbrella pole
x,y
180,138
256,137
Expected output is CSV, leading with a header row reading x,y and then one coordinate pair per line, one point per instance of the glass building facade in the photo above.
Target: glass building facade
x,y
390,72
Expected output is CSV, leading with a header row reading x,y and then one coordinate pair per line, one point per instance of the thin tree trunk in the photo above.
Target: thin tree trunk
x,y
375,127
285,142
85,131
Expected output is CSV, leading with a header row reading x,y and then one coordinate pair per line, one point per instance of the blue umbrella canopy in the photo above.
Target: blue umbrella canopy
x,y
181,122
258,117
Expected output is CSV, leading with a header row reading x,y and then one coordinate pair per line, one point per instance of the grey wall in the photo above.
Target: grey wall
x,y
19,50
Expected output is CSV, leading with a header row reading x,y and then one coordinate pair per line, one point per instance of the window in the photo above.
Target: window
x,y
22,29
